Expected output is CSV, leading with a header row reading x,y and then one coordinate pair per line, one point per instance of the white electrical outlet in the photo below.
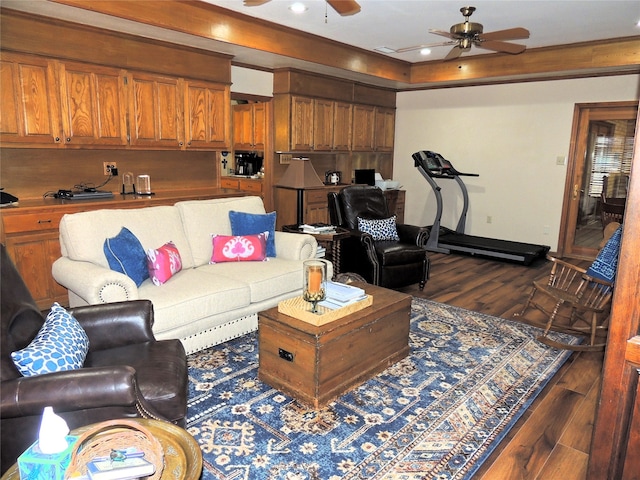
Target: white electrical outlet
x,y
107,166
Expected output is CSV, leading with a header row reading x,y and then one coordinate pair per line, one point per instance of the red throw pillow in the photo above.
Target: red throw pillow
x,y
163,263
239,248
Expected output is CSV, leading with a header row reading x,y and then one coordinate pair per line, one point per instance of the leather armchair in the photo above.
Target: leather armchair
x,y
127,373
390,264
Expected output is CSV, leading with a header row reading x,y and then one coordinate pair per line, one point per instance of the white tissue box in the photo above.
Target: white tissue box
x,y
35,465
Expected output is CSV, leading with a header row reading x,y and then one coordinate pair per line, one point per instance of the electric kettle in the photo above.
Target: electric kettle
x,y
332,177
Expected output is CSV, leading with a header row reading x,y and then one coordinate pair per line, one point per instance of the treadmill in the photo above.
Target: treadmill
x,y
444,240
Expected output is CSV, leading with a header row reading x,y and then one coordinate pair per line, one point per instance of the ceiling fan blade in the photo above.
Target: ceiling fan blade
x,y
426,45
513,48
442,33
508,34
254,3
454,53
345,7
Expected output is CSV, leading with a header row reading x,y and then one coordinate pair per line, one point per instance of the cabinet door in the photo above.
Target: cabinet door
x,y
322,125
342,113
385,129
155,107
301,123
363,127
243,127
29,109
259,125
34,255
93,105
207,112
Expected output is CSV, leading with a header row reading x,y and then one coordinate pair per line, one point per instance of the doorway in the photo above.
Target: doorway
x,y
600,160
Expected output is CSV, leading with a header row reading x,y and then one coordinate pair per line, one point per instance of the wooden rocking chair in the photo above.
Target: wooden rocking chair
x,y
577,300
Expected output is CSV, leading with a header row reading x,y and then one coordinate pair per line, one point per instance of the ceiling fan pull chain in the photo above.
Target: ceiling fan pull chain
x,y
325,11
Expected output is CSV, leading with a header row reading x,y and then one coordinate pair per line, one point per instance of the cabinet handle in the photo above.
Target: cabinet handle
x,y
44,221
57,139
68,139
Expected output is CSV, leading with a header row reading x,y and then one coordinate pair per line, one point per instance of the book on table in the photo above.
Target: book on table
x,y
340,295
106,469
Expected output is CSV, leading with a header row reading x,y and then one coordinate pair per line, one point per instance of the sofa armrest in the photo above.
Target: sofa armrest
x,y
71,390
295,246
93,283
114,324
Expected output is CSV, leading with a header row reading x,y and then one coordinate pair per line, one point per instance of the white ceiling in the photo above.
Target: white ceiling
x,y
404,23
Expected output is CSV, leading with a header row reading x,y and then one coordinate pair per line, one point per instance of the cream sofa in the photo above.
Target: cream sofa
x,y
203,304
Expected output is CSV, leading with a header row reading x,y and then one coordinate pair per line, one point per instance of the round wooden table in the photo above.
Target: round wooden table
x,y
182,454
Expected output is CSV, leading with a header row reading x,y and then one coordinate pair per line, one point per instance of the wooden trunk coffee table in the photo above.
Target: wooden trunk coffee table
x,y
316,364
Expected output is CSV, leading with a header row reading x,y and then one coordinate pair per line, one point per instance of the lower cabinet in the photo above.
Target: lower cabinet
x,y
249,185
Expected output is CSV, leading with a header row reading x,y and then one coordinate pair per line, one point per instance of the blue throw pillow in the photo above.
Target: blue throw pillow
x,y
125,254
61,344
606,263
252,224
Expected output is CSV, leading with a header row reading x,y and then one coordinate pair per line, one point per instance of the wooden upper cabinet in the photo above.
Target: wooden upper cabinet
x,y
342,125
93,102
301,123
29,110
207,115
156,111
323,125
249,126
363,127
385,119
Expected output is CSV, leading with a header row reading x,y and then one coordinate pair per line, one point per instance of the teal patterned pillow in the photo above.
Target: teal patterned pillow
x,y
61,344
384,229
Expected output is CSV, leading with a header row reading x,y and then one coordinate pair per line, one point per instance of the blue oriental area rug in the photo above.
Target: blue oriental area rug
x,y
437,414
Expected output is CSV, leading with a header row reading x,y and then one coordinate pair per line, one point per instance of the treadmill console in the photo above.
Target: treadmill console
x,y
436,165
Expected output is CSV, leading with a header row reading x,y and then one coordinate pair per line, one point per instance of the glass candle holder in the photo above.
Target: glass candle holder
x,y
127,183
143,185
314,282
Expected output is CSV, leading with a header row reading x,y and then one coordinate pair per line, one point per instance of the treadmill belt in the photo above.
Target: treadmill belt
x,y
492,247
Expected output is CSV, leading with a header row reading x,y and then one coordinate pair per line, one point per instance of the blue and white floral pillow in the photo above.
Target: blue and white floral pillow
x,y
61,344
384,229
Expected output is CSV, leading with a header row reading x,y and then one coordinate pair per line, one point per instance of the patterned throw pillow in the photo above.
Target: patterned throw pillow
x,y
61,344
605,265
384,229
252,224
239,248
125,255
163,263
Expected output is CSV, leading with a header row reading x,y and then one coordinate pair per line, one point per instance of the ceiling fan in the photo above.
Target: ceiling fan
x,y
467,34
343,7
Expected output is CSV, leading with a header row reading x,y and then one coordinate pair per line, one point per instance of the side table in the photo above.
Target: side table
x,y
331,241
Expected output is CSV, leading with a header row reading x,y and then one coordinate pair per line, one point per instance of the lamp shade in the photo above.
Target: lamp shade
x,y
300,174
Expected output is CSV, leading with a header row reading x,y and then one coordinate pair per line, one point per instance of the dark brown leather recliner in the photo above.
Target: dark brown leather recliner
x,y
127,372
390,264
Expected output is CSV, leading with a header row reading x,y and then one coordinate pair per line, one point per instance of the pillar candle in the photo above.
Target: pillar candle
x,y
315,279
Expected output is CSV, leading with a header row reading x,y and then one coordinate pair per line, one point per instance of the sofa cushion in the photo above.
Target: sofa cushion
x,y
194,296
203,218
163,263
125,254
82,233
243,223
239,248
60,345
265,280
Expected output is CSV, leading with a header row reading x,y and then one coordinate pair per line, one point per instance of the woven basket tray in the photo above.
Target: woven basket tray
x,y
102,438
296,307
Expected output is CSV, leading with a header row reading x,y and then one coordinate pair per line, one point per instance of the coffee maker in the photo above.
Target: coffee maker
x,y
247,163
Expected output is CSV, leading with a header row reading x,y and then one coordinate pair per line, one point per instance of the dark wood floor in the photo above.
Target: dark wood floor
x,y
552,439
